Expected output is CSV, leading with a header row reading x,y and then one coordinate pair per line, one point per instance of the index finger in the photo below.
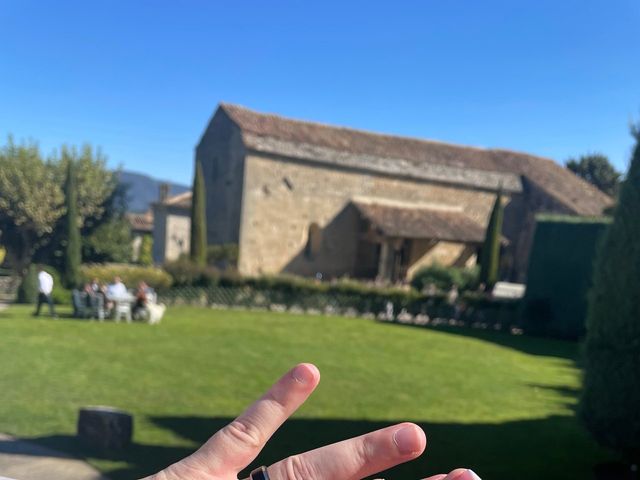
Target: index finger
x,y
234,447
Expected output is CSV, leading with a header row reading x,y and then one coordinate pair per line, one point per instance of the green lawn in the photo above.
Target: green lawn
x,y
502,405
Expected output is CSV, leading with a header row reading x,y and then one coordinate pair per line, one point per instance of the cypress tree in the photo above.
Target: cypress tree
x,y
610,402
490,254
73,255
198,250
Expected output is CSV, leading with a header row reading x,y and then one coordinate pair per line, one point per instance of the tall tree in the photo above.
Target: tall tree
x,y
490,254
611,394
73,250
198,250
31,201
596,169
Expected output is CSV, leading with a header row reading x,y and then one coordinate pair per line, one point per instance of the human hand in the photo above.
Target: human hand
x,y
233,448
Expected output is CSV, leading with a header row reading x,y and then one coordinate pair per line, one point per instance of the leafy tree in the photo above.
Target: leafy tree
x,y
611,395
95,183
31,201
110,241
596,169
146,251
28,288
73,250
198,250
100,201
490,254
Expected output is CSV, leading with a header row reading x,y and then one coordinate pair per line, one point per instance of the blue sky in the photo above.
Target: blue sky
x,y
141,79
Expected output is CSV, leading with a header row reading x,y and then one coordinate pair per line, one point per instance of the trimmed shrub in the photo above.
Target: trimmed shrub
x,y
559,275
222,255
490,255
184,272
131,275
445,277
145,257
610,403
198,247
73,248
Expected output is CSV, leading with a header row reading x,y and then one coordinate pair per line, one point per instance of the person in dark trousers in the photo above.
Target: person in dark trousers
x,y
45,287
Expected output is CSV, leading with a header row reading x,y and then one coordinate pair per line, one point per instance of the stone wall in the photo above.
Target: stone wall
x,y
283,198
171,233
221,154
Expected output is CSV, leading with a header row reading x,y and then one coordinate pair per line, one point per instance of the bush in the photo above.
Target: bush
x,y
145,256
611,392
131,275
559,275
184,272
222,256
445,277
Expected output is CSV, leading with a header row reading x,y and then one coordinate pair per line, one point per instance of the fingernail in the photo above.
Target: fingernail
x,y
302,374
406,439
473,475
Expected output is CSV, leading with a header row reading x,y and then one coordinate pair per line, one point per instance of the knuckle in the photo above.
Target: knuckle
x,y
245,433
296,468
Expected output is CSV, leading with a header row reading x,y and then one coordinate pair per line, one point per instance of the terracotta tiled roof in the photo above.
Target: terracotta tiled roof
x,y
141,222
576,195
422,223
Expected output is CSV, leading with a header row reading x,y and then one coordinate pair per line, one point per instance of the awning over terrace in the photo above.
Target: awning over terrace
x,y
421,223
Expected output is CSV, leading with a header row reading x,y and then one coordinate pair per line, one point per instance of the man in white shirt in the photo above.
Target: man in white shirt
x,y
45,287
117,289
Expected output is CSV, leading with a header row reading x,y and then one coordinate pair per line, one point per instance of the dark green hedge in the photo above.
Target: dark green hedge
x,y
559,275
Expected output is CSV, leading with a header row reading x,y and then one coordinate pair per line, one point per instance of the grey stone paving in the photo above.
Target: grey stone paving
x,y
22,460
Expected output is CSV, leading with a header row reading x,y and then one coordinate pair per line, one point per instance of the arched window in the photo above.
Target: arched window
x,y
314,241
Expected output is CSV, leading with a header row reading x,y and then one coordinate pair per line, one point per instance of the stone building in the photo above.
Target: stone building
x,y
309,199
171,226
141,226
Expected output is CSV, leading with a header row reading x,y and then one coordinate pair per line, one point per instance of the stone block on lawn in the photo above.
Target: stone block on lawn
x,y
105,427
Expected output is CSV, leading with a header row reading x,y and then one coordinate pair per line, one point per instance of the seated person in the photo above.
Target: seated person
x,y
142,299
117,289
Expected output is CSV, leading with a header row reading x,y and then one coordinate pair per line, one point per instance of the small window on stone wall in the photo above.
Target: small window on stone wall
x,y
287,182
314,240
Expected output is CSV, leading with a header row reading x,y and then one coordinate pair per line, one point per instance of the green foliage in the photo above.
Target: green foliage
x,y
145,257
184,272
28,289
73,250
110,241
222,255
31,201
198,249
596,169
95,183
131,275
443,278
490,254
559,275
611,394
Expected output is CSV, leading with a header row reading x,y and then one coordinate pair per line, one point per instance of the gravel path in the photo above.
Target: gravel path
x,y
23,460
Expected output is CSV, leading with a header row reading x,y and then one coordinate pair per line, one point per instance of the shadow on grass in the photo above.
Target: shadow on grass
x,y
546,448
546,347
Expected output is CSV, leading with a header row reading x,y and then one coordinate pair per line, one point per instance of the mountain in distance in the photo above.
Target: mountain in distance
x,y
143,190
